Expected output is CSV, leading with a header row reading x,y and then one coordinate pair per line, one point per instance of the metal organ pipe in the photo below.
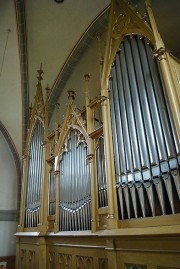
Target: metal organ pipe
x,y
34,177
146,148
52,190
101,174
75,197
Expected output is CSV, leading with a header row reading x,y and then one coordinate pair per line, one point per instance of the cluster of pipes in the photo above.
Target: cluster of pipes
x,y
146,150
75,193
101,174
146,147
34,177
52,191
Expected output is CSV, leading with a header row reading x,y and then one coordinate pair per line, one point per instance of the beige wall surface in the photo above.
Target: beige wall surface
x,y
10,82
8,177
88,64
8,199
53,31
7,238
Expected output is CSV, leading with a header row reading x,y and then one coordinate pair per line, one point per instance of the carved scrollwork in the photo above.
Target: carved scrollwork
x,y
64,261
23,258
80,139
160,54
51,257
31,255
120,24
23,253
103,263
84,262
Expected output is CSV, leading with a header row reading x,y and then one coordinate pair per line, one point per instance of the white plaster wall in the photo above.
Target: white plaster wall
x,y
7,238
88,64
8,177
10,81
8,197
53,30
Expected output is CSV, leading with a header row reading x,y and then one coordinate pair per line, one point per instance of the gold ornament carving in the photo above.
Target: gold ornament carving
x,y
84,262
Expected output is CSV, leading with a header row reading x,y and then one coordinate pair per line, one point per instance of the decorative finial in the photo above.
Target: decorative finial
x,y
47,90
87,77
145,17
40,72
71,95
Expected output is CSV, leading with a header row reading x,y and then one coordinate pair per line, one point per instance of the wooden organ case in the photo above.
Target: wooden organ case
x,y
102,191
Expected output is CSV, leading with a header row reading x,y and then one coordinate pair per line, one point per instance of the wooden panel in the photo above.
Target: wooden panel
x,y
99,251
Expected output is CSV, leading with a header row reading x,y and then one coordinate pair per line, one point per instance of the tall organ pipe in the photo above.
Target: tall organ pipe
x,y
101,174
75,195
34,177
146,148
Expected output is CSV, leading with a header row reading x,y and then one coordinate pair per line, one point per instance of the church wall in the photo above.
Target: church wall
x,y
8,199
88,64
53,41
7,242
10,81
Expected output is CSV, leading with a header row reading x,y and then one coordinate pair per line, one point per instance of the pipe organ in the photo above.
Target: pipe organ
x,y
75,193
52,190
101,174
146,147
102,190
34,176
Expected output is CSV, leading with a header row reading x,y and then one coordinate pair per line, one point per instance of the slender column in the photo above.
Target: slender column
x,y
45,170
57,106
41,253
109,160
100,53
23,193
57,209
43,206
18,251
166,72
111,254
91,157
